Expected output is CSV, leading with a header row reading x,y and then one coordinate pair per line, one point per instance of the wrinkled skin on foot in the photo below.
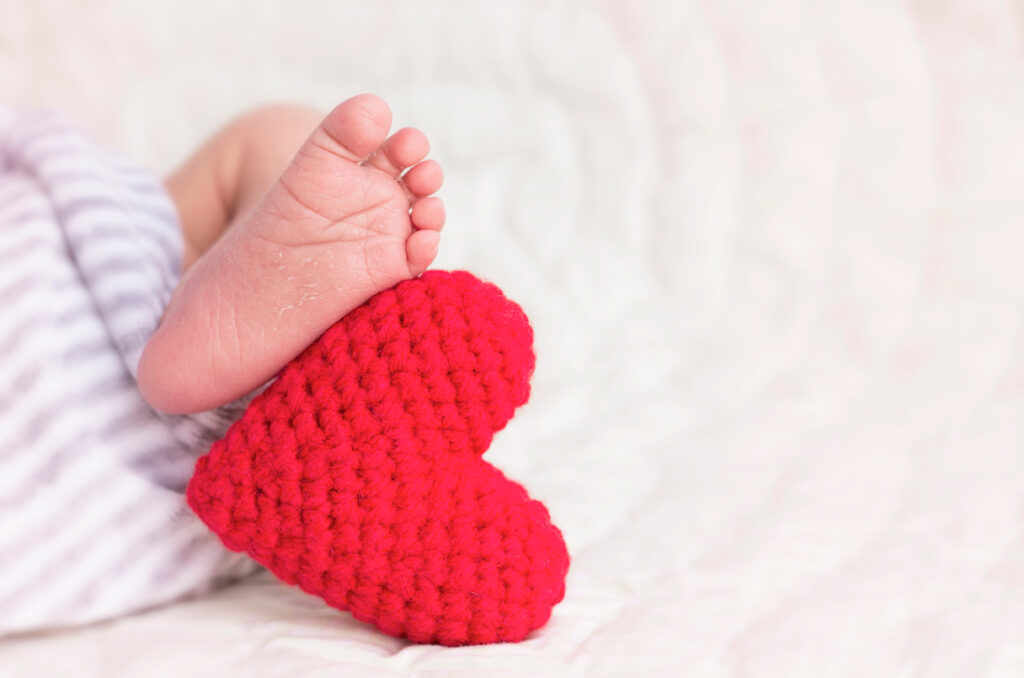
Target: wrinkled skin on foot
x,y
351,215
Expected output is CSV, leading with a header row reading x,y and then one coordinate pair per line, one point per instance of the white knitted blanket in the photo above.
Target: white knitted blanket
x,y
772,254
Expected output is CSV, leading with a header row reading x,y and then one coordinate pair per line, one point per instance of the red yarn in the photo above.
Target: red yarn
x,y
356,475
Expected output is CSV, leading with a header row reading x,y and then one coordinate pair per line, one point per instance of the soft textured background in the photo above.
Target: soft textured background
x,y
772,253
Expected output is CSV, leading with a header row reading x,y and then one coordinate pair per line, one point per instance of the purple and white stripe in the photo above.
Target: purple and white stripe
x,y
93,522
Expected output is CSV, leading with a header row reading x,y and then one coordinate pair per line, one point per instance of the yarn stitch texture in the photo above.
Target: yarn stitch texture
x,y
357,475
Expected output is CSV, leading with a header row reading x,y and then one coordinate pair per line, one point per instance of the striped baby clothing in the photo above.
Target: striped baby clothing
x,y
93,520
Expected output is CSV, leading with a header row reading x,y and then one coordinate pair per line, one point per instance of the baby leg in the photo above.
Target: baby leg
x,y
225,178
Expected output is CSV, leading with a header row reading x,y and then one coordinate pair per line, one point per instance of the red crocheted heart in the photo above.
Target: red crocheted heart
x,y
357,474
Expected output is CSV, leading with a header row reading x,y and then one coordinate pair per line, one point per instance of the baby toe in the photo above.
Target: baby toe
x,y
428,214
404,148
355,127
421,249
424,179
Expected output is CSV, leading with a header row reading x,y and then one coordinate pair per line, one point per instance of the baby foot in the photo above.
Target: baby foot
x,y
351,216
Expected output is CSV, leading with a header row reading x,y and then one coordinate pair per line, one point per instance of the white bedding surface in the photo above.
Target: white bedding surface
x,y
772,255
